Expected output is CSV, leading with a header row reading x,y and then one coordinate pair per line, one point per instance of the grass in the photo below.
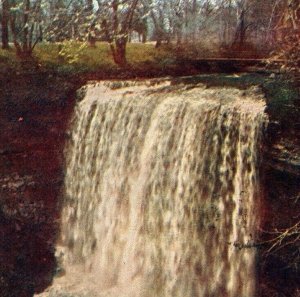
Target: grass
x,y
8,61
76,57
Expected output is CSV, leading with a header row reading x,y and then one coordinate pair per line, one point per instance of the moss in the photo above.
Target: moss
x,y
283,101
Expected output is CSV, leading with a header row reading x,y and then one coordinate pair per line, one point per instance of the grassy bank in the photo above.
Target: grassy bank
x,y
79,58
144,60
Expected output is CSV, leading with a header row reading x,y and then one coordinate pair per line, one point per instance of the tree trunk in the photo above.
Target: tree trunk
x,y
242,30
14,32
119,53
4,24
89,5
91,31
121,35
144,37
240,34
25,41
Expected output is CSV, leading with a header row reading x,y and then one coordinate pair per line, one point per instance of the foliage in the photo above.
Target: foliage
x,y
288,51
69,51
288,35
25,24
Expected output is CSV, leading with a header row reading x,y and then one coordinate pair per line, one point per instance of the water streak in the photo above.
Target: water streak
x,y
161,189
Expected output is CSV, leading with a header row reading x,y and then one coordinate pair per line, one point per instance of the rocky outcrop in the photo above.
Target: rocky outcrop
x,y
34,111
279,263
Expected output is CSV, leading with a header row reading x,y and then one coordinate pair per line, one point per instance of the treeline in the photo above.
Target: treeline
x,y
230,25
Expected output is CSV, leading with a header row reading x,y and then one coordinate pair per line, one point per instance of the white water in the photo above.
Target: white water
x,y
161,189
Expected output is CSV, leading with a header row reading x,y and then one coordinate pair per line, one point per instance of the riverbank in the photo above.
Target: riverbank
x,y
36,104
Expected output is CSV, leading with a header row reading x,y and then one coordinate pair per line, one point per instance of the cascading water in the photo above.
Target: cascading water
x,y
161,192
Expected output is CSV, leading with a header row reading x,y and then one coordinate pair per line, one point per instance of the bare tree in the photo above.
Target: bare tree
x,y
25,23
288,35
240,35
117,27
140,23
159,14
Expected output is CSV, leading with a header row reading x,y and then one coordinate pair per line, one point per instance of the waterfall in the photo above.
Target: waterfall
x,y
161,192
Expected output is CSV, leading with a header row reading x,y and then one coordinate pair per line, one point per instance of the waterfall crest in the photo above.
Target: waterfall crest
x,y
161,192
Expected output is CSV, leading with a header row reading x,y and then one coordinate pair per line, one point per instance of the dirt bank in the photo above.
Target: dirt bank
x,y
35,109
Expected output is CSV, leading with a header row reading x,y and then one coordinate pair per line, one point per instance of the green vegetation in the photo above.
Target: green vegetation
x,y
283,101
77,57
74,57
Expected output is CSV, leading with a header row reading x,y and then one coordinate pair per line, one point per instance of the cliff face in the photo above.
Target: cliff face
x,y
279,263
34,113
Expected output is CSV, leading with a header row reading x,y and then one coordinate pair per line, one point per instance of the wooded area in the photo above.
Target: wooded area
x,y
235,28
